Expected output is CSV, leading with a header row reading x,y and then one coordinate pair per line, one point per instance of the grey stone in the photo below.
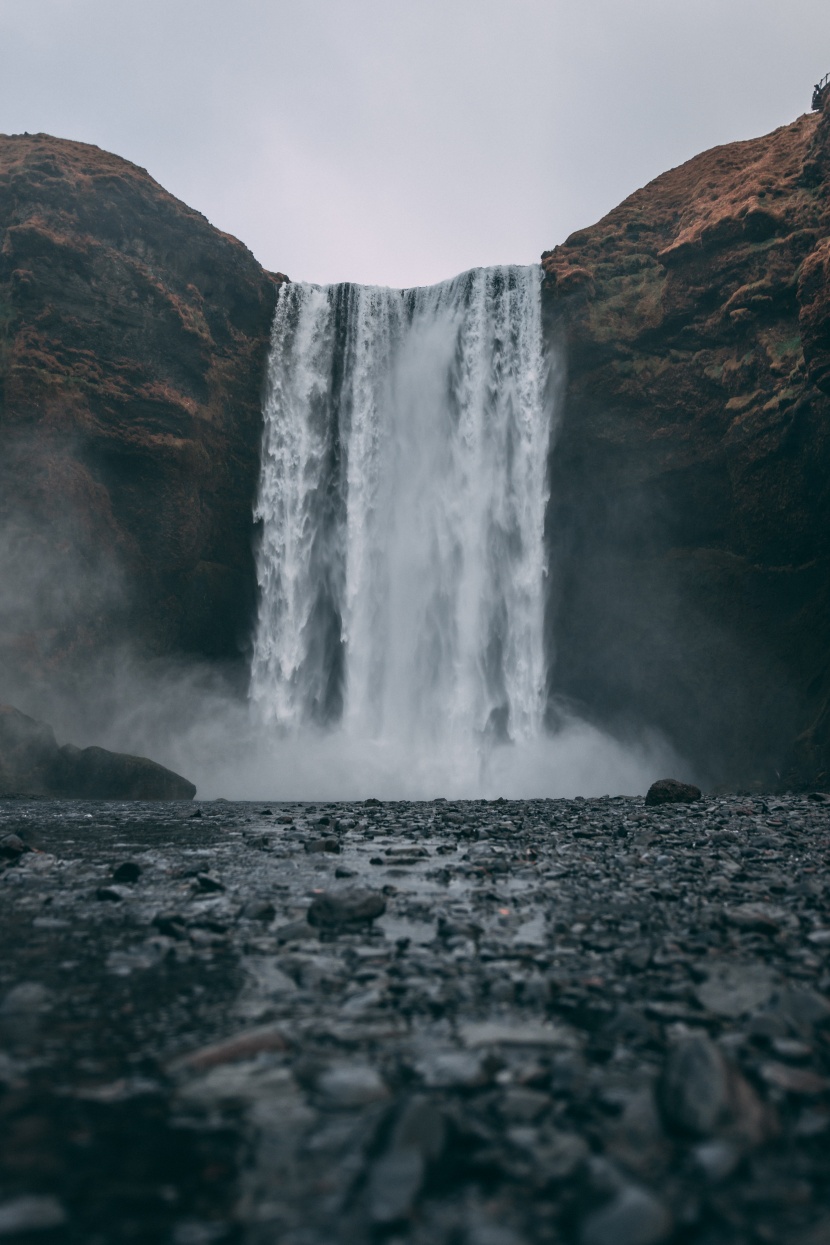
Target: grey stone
x,y
421,1126
351,1085
670,791
341,909
394,1183
451,1069
12,847
30,1214
634,1217
26,998
733,989
695,1086
717,1159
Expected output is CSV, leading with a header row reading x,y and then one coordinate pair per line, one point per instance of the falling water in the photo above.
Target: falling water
x,y
402,500
402,566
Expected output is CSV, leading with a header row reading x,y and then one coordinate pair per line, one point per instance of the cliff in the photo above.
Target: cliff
x,y
133,337
691,479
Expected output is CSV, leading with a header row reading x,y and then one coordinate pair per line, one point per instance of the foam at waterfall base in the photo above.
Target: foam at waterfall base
x,y
332,766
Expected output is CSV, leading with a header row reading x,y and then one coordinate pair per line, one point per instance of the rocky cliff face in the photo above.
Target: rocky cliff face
x,y
133,337
691,491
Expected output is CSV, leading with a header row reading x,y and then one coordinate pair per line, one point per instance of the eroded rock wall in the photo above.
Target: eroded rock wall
x,y
690,520
133,337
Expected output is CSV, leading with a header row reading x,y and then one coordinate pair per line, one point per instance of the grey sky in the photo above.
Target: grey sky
x,y
401,141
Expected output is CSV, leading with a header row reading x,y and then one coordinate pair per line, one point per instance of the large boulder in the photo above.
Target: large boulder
x,y
32,763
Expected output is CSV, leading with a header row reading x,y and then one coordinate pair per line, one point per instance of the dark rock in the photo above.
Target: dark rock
x,y
703,1094
30,759
210,883
717,1159
343,1085
734,988
244,1045
170,924
801,1008
633,1217
421,1126
293,931
96,774
259,910
323,845
129,871
695,1086
759,918
394,1183
12,847
23,1216
339,910
109,893
799,1081
26,998
669,791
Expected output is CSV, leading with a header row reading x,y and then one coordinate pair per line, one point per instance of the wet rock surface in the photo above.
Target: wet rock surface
x,y
692,459
517,1023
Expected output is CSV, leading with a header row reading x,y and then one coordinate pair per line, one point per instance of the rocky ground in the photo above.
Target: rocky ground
x,y
454,1024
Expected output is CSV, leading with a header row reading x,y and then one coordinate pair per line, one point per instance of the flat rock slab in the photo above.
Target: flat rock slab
x,y
547,1022
345,909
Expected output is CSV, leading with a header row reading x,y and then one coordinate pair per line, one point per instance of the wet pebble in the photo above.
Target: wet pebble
x,y
549,1021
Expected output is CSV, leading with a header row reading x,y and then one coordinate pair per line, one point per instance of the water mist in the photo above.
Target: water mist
x,y
400,645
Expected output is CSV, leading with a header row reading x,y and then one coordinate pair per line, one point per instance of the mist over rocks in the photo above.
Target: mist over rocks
x,y
32,763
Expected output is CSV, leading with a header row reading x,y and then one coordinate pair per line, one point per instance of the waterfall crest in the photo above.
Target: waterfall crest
x,y
402,497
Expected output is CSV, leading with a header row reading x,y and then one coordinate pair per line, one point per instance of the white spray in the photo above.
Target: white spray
x,y
403,489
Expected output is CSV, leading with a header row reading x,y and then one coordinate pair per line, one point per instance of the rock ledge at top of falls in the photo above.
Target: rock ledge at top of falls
x,y
32,763
692,468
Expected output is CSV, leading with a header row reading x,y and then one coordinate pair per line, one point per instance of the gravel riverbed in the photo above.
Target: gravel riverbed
x,y
471,1023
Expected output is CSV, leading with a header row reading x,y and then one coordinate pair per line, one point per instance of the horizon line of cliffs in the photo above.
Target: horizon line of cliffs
x,y
688,530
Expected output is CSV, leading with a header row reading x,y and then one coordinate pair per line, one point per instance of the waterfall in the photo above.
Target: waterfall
x,y
402,498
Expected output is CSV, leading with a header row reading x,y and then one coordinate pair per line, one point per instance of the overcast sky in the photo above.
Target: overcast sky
x,y
401,141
